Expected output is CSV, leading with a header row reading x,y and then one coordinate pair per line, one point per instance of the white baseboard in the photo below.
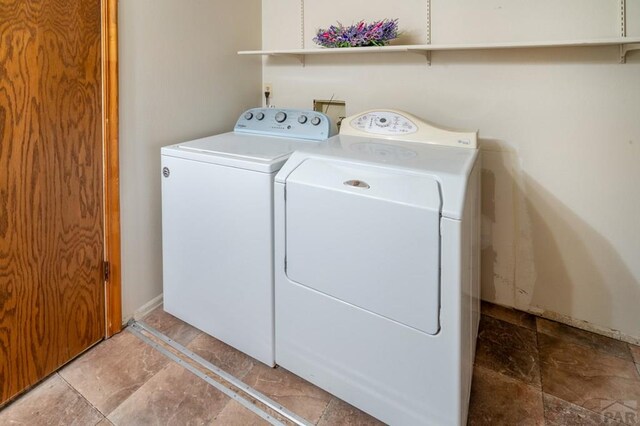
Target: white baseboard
x,y
145,309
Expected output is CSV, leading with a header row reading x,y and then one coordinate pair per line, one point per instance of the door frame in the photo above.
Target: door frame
x,y
111,167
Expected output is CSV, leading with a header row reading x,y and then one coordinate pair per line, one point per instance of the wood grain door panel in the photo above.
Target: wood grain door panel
x,y
51,195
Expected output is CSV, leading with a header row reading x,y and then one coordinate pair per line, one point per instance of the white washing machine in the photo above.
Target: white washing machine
x,y
377,267
217,225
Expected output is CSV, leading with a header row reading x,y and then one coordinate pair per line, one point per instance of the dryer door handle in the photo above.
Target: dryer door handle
x,y
357,183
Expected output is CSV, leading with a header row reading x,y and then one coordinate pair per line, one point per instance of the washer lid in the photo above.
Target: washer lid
x,y
250,147
251,152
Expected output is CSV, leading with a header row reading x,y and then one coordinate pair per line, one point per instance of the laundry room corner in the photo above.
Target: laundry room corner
x,y
180,78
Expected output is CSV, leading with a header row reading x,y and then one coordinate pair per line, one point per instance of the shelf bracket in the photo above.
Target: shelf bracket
x,y
422,52
300,58
626,48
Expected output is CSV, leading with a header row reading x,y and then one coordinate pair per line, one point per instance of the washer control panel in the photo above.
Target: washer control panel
x,y
288,123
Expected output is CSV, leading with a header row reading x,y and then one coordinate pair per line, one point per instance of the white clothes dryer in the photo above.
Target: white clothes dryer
x,y
217,225
377,267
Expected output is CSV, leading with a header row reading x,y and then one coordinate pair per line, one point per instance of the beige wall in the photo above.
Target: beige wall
x,y
180,79
560,133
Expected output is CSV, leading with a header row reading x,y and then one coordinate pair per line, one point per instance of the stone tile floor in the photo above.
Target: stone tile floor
x,y
529,371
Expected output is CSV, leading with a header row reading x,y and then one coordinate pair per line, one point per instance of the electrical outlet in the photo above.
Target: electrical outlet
x,y
268,94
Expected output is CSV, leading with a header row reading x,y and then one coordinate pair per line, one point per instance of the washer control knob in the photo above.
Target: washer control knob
x,y
248,116
260,116
315,121
281,116
302,119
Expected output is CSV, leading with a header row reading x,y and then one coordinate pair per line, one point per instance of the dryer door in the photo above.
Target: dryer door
x,y
368,236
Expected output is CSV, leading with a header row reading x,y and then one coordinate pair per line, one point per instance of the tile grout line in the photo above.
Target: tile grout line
x,y
326,408
544,405
104,416
141,385
582,345
507,377
488,368
633,358
511,323
508,322
537,357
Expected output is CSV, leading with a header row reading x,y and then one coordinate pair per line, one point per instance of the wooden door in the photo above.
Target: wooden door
x,y
51,195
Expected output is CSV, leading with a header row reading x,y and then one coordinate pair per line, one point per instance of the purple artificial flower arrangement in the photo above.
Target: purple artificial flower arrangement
x,y
377,33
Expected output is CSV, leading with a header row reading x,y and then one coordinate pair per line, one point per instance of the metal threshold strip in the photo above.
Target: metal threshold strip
x,y
137,327
137,331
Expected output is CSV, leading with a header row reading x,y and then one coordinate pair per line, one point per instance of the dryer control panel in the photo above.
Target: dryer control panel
x,y
287,123
404,127
384,123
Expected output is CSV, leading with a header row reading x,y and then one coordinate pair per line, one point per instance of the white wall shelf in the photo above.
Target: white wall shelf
x,y
627,44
